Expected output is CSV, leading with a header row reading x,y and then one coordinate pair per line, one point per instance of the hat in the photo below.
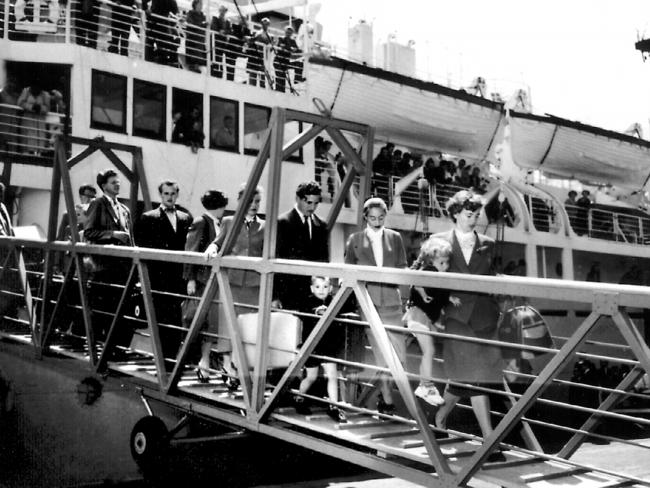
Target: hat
x,y
265,20
214,199
222,7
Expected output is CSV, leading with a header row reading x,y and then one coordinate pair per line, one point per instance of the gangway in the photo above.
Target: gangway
x,y
403,445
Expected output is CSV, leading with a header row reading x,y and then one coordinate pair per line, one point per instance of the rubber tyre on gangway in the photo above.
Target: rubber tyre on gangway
x,y
149,442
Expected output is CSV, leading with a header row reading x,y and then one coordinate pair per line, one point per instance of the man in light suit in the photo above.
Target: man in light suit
x,y
166,228
377,246
109,222
301,235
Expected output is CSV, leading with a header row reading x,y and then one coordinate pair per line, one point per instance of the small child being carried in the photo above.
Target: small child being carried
x,y
331,344
425,307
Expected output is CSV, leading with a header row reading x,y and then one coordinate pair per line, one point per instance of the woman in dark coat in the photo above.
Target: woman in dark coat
x,y
472,363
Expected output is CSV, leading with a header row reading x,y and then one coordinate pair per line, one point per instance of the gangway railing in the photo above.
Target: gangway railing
x,y
405,437
57,315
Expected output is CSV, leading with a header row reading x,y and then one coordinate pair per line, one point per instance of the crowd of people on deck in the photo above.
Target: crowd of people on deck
x,y
436,170
30,118
178,38
588,218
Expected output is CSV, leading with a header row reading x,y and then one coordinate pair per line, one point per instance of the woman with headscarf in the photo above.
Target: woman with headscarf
x,y
470,363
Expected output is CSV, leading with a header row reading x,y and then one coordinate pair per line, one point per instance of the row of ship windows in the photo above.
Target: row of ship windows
x,y
109,113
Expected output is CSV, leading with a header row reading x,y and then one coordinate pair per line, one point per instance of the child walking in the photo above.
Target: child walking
x,y
330,345
425,307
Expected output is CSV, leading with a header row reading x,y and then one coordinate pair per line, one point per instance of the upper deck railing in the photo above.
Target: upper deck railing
x,y
430,201
28,137
246,55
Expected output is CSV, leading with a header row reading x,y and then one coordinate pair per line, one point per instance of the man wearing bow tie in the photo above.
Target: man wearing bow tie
x,y
109,222
301,235
166,228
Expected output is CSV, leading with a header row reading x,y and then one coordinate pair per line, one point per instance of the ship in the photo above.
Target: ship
x,y
159,93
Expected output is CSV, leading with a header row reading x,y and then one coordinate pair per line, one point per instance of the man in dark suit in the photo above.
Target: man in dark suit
x,y
166,228
301,235
109,222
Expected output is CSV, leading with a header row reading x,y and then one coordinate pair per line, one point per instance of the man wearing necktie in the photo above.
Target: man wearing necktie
x,y
301,235
166,228
109,222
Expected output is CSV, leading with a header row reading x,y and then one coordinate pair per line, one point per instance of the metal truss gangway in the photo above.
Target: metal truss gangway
x,y
537,400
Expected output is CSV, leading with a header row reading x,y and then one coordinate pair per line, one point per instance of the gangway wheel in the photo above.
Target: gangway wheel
x,y
149,441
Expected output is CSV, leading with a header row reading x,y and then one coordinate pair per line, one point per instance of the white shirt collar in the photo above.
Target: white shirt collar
x,y
113,200
302,215
465,236
214,219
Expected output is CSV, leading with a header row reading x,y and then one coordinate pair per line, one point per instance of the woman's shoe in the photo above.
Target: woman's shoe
x,y
202,375
232,384
385,408
230,379
336,414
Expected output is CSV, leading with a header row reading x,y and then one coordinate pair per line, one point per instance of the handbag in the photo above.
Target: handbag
x,y
524,325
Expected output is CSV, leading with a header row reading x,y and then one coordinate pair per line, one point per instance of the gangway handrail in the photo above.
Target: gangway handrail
x,y
607,298
562,290
259,394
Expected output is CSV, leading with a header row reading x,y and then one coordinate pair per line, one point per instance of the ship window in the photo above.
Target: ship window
x,y
187,113
149,110
224,124
256,121
108,106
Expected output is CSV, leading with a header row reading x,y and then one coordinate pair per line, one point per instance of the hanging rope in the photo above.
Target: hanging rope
x,y
338,89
